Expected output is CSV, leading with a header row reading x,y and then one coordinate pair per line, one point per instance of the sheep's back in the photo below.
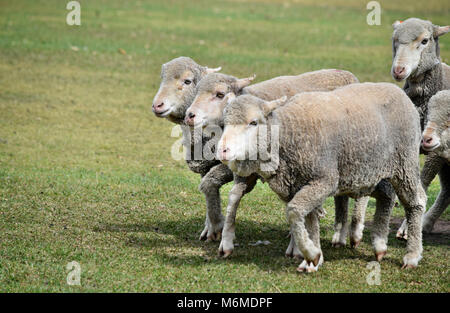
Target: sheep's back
x,y
322,80
359,131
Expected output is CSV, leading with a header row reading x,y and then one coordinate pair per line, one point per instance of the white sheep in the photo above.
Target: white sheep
x,y
207,110
358,140
436,138
416,60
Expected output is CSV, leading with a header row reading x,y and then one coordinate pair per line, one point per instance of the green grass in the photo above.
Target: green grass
x,y
85,168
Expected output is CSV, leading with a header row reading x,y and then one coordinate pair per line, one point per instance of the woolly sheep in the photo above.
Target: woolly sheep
x,y
359,140
416,59
179,78
207,109
436,137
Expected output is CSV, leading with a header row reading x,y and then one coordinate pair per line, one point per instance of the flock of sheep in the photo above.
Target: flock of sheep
x,y
335,137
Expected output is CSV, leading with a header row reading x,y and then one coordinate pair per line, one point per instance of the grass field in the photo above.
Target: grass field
x,y
85,168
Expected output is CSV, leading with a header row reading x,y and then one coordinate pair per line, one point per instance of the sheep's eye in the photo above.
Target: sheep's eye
x,y
220,95
425,41
253,123
187,82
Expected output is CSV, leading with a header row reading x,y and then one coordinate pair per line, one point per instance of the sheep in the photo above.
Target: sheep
x,y
207,110
179,78
415,45
436,137
358,140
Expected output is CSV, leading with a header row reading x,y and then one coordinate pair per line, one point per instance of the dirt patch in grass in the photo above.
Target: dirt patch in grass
x,y
439,236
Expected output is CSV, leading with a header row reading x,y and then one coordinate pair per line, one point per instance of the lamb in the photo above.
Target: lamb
x,y
436,137
415,44
179,78
207,110
358,140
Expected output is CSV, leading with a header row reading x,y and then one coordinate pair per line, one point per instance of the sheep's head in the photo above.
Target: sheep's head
x,y
211,99
179,78
246,133
415,47
436,135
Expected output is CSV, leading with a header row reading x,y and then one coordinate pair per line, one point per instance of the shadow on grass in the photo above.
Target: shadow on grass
x,y
440,236
184,239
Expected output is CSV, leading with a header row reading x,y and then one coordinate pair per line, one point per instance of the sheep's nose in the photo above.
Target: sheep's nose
x,y
427,140
398,70
224,153
158,107
189,119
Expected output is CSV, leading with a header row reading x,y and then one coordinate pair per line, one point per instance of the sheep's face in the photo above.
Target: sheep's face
x,y
436,135
213,91
245,133
415,47
179,78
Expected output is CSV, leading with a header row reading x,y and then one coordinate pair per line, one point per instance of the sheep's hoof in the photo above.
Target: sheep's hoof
x,y
407,266
337,245
354,243
379,255
226,253
214,236
402,235
301,269
298,256
306,267
316,260
294,255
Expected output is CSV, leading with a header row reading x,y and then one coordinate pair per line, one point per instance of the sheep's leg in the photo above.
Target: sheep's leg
x,y
307,199
210,184
292,250
313,228
441,203
432,166
385,201
413,197
242,185
340,221
357,225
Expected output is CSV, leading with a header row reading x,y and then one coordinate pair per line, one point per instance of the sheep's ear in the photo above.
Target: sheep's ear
x,y
229,97
269,106
213,70
243,82
396,23
440,30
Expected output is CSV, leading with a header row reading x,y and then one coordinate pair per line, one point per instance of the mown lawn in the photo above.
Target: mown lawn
x,y
85,168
